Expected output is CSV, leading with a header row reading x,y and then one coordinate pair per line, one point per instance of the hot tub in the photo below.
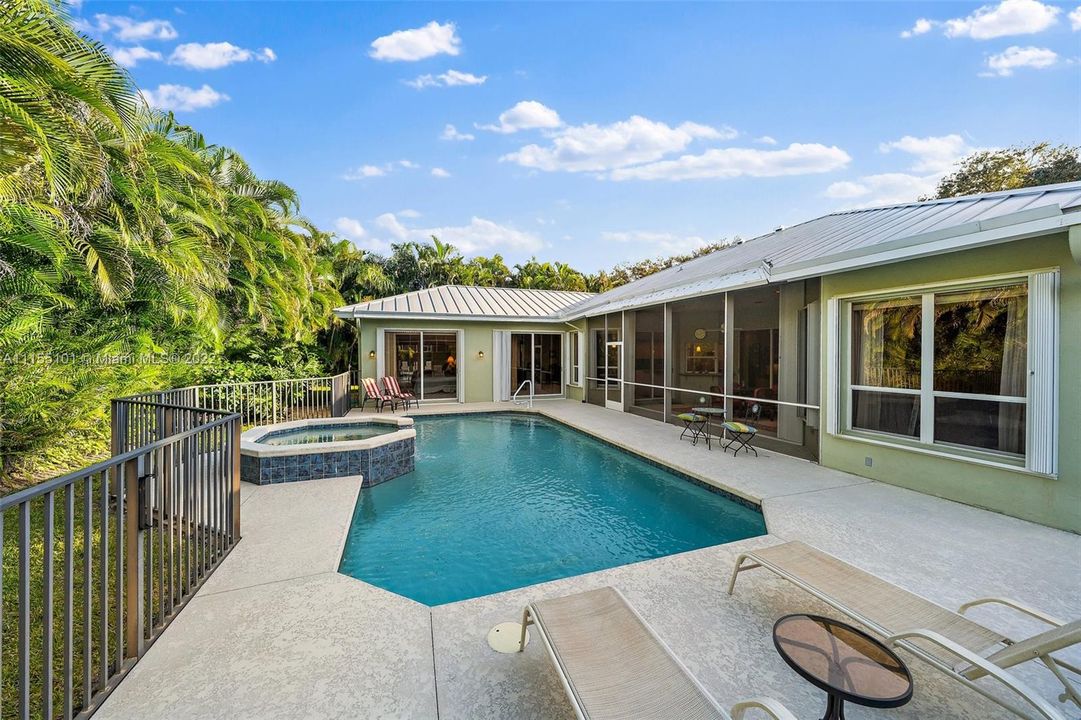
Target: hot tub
x,y
374,448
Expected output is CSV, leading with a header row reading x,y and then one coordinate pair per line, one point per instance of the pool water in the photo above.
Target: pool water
x,y
502,501
326,433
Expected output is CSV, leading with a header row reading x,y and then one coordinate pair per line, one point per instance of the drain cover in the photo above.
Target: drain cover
x,y
505,637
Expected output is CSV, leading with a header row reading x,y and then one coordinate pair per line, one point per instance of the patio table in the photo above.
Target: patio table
x,y
709,413
847,663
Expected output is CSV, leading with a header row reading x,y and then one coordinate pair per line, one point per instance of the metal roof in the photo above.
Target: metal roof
x,y
836,242
853,238
467,301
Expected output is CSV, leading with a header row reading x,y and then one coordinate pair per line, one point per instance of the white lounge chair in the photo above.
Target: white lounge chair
x,y
947,640
614,667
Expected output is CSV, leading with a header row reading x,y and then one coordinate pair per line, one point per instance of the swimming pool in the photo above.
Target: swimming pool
x,y
501,501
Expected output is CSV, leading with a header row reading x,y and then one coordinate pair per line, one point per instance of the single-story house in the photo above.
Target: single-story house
x,y
925,344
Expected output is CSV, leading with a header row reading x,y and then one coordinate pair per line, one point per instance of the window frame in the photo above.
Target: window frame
x,y
574,351
840,344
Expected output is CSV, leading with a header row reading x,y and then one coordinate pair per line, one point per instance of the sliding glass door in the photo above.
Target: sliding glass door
x,y
537,357
424,363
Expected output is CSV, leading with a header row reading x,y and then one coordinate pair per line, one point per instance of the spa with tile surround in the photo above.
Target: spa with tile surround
x,y
375,448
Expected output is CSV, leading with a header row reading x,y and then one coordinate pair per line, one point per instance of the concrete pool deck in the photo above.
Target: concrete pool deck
x,y
276,632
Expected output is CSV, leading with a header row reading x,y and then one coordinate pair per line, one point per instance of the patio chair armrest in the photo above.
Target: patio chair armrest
x,y
1008,679
1013,605
771,707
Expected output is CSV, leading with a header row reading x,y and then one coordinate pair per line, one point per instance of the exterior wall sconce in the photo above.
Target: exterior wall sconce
x,y
480,354
371,354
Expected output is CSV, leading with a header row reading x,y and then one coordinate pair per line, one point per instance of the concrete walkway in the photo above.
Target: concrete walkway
x,y
278,633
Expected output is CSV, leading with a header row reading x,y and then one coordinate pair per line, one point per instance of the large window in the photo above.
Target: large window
x,y
424,363
947,367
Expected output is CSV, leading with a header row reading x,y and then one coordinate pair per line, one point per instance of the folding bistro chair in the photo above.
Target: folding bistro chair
x,y
694,425
741,437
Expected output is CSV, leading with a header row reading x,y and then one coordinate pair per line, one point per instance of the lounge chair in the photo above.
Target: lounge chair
x,y
614,667
946,640
379,397
392,388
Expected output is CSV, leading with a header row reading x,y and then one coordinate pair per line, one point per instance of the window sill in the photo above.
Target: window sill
x,y
944,454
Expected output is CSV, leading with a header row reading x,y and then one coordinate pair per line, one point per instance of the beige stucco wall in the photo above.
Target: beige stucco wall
x,y
475,372
1050,501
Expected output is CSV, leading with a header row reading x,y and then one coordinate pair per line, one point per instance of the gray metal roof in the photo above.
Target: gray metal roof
x,y
844,240
467,301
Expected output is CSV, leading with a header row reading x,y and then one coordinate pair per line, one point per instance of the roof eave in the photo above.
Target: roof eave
x,y
992,233
346,314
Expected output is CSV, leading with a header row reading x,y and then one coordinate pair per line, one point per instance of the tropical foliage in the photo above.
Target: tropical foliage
x,y
129,245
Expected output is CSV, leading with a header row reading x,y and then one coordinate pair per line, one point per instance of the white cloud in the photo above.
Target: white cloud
x,y
883,189
130,30
659,243
211,56
932,154
597,148
450,78
451,133
409,213
765,140
355,232
922,26
390,223
1004,63
440,173
932,158
1009,17
417,44
182,97
349,227
484,235
363,172
129,57
480,235
526,115
1075,18
796,159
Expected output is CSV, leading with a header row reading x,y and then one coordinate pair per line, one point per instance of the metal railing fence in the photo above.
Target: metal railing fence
x,y
265,402
97,563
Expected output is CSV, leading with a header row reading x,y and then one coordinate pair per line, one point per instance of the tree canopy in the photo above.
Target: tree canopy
x,y
1011,168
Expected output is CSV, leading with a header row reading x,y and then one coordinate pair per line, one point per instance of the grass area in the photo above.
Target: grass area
x,y
85,645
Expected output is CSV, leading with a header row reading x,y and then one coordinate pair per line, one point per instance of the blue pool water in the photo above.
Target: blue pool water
x,y
502,501
326,433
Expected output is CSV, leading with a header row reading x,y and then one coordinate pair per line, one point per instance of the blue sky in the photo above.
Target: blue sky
x,y
600,133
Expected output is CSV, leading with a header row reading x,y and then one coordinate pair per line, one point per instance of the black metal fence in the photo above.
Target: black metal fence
x,y
97,563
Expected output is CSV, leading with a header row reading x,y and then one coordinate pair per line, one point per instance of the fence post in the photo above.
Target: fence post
x,y
114,428
274,401
133,561
235,490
